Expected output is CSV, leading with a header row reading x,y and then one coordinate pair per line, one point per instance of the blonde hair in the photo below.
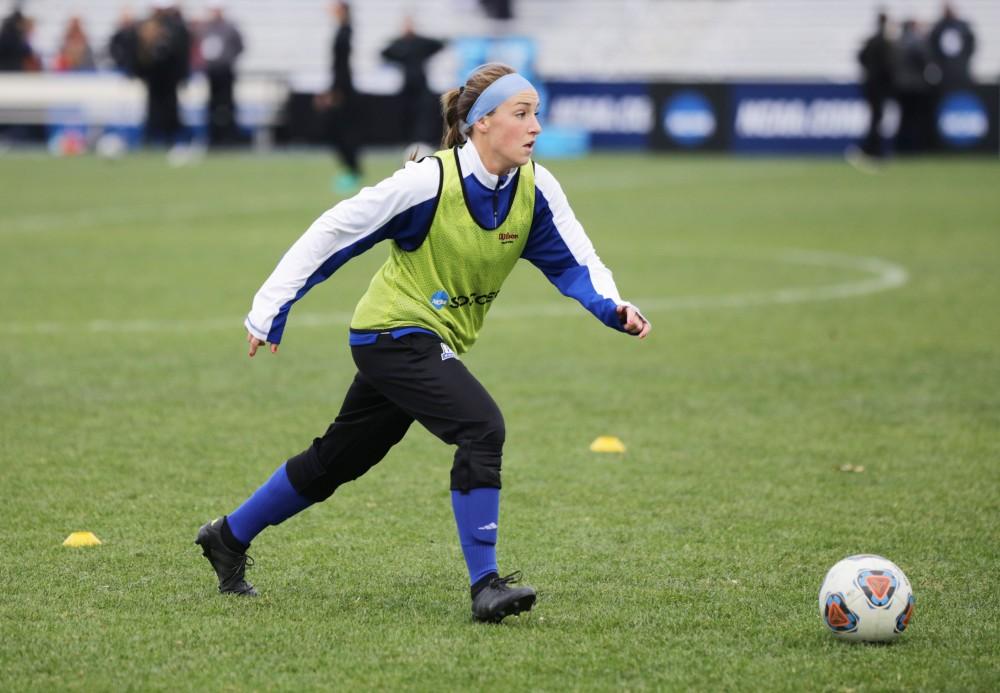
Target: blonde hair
x,y
456,104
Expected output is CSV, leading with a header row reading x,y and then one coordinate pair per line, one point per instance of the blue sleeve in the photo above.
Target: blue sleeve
x,y
548,250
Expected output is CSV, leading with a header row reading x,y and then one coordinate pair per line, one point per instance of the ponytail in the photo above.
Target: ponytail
x,y
453,123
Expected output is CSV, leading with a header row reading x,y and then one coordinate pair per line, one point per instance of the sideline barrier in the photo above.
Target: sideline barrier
x,y
758,117
738,117
112,101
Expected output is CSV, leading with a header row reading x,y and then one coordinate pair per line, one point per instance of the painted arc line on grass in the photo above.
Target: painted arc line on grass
x,y
882,276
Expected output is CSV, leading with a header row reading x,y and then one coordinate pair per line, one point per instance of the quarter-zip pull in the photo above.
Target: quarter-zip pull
x,y
496,201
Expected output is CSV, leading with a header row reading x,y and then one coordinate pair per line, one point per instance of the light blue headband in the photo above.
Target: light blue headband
x,y
494,95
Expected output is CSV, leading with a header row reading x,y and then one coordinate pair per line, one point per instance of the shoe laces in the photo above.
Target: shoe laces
x,y
244,563
500,582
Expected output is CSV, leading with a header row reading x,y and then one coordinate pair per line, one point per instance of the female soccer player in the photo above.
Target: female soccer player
x,y
458,222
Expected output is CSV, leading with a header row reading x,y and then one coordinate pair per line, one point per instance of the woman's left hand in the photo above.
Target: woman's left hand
x,y
632,322
255,343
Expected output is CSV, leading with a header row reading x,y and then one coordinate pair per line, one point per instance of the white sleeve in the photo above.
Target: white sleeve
x,y
340,233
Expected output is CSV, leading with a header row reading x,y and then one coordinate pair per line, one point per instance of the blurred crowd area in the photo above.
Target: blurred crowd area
x,y
164,34
362,71
587,39
164,46
196,36
914,64
907,53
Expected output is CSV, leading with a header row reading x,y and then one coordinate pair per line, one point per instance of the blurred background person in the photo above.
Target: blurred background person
x,y
411,51
952,44
914,88
162,61
75,53
16,53
341,103
122,44
219,45
875,58
498,9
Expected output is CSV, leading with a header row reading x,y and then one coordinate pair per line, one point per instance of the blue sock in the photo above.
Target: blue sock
x,y
271,504
476,514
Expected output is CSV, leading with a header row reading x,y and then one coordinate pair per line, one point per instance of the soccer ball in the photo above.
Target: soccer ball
x,y
866,597
110,146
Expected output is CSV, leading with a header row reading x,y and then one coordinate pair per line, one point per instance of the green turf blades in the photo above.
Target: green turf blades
x,y
692,562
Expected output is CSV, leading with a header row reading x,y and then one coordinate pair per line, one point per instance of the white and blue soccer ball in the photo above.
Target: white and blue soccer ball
x,y
111,146
866,597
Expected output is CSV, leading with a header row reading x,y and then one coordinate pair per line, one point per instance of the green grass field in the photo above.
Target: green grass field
x,y
806,318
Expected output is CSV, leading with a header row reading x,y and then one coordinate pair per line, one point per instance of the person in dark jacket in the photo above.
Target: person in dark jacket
x,y
220,44
915,90
419,113
876,62
952,44
162,62
122,46
16,53
340,103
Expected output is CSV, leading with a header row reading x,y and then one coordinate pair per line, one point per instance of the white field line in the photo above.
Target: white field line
x,y
883,276
138,214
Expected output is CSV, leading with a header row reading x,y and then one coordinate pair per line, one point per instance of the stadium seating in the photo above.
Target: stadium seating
x,y
576,38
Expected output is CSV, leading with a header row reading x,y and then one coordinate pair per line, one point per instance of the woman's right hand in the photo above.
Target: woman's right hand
x,y
633,322
254,343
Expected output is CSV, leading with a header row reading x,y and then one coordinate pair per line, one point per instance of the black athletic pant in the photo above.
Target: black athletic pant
x,y
872,144
401,380
343,131
221,107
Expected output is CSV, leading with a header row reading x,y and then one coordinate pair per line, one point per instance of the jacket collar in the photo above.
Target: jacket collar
x,y
471,163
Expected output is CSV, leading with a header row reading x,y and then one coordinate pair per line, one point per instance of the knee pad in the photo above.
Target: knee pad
x,y
477,460
477,465
308,476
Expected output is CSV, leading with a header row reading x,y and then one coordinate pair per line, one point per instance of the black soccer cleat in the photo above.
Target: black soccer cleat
x,y
497,599
229,565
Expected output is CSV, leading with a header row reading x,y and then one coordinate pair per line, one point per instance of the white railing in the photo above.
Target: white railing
x,y
100,100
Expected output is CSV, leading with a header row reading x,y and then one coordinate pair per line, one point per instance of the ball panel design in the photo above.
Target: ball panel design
x,y
838,617
879,586
903,620
866,597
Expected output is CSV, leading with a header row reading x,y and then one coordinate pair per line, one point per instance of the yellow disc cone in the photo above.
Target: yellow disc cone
x,y
607,444
82,539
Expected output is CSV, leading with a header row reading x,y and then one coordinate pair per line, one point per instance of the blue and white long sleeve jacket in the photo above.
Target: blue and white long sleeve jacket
x,y
401,208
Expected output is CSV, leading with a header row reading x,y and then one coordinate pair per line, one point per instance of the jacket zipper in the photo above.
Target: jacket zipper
x,y
496,202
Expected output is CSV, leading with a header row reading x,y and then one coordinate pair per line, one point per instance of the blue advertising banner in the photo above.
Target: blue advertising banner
x,y
802,117
968,119
816,118
616,114
690,116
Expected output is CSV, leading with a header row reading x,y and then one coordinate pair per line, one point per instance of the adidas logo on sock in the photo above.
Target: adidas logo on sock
x,y
492,525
